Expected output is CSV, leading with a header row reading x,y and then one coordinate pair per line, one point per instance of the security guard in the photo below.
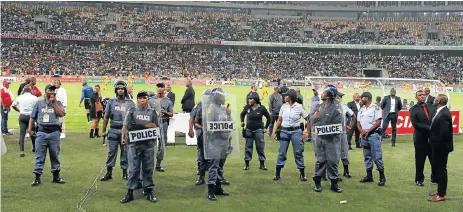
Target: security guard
x,y
218,146
289,130
140,151
115,112
327,144
368,123
164,109
255,129
46,113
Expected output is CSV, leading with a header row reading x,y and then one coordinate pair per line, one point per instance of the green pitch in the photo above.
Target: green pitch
x,y
82,159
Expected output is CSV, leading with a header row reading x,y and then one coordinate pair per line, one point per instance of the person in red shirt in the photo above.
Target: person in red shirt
x,y
6,100
34,90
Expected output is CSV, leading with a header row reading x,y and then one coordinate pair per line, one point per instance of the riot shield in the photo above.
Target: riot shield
x,y
327,120
220,131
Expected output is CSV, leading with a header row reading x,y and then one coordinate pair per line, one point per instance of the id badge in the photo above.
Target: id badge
x,y
46,118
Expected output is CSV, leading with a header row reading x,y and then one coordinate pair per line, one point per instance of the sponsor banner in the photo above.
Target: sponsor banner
x,y
449,89
138,81
228,83
156,81
244,83
94,80
66,79
10,79
457,90
405,127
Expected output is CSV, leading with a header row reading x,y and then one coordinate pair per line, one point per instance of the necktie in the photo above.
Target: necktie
x,y
425,110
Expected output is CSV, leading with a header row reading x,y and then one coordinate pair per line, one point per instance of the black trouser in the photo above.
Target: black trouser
x,y
203,163
23,127
187,110
272,123
357,136
422,150
391,117
440,157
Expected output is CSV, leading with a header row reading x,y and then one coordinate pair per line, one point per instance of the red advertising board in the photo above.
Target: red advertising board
x,y
67,79
405,127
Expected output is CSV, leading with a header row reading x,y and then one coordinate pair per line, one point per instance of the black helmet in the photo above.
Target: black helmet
x,y
120,84
217,95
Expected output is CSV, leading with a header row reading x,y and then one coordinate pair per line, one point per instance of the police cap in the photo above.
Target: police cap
x,y
291,93
254,95
142,94
51,87
366,94
161,85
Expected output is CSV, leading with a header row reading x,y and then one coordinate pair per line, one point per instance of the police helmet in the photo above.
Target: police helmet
x,y
120,84
217,94
331,91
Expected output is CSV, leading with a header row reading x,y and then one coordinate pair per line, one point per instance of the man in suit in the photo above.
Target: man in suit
x,y
188,100
428,99
354,106
391,105
170,94
441,140
421,115
21,87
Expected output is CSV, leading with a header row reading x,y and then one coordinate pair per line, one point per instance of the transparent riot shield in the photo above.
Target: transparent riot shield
x,y
220,129
327,118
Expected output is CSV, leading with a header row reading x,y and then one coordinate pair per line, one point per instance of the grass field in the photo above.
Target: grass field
x,y
254,190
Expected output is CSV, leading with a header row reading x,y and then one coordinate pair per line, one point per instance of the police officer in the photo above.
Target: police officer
x,y
347,114
327,142
115,112
368,123
218,142
164,109
289,130
46,113
255,129
140,152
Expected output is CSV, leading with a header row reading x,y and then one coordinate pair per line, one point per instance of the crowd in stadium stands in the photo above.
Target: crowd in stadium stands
x,y
136,22
37,57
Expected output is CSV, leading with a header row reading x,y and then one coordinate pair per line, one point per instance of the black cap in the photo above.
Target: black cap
x,y
254,95
291,93
366,94
340,94
161,85
142,93
51,87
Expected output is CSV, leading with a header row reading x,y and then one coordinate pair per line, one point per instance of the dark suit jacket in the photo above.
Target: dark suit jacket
x,y
353,107
430,100
386,105
188,100
420,122
171,96
21,87
441,136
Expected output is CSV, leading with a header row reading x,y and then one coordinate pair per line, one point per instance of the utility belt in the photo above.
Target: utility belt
x,y
115,127
290,128
243,132
165,121
49,129
378,131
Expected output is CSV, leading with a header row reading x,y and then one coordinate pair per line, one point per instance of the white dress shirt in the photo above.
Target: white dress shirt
x,y
62,96
392,105
26,103
437,112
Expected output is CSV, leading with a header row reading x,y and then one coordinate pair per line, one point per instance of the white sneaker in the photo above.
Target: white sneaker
x,y
27,135
62,136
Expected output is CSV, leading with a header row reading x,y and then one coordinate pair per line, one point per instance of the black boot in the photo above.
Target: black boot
x,y
150,195
335,187
225,182
318,185
128,197
158,166
36,181
262,165
277,173
197,170
382,178
211,192
346,171
219,190
139,184
108,175
202,173
124,174
302,174
96,132
246,165
57,179
91,133
368,178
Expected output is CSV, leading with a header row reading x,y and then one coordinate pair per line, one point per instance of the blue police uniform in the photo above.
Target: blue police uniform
x,y
48,137
202,162
367,117
158,105
116,111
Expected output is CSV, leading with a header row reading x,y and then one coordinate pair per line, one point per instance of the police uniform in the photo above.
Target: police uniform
x,y
158,105
347,114
202,162
140,153
327,146
48,137
367,117
290,131
116,111
254,130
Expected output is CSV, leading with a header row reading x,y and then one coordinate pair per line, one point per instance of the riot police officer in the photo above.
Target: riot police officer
x,y
216,143
46,113
138,127
164,109
347,114
288,129
115,112
255,129
369,121
327,124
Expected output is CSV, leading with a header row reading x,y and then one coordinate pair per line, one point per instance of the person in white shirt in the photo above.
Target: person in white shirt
x,y
61,96
26,102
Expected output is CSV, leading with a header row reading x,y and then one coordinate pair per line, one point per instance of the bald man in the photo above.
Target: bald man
x,y
355,106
